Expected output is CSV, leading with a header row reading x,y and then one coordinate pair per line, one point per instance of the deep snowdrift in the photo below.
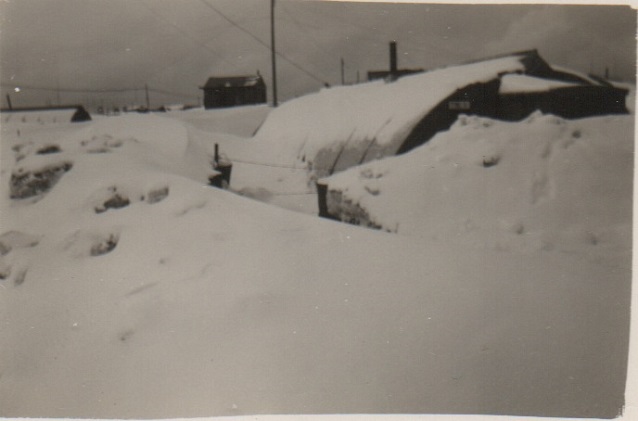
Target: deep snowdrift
x,y
132,289
239,121
544,183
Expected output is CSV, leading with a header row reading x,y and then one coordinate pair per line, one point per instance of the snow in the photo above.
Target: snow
x,y
133,290
546,183
239,121
30,117
371,120
577,73
511,84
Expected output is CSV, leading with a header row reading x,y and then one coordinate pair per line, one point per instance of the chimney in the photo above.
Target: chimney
x,y
393,57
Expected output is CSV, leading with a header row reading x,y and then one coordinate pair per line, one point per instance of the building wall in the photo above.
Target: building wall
x,y
483,99
576,102
478,99
234,96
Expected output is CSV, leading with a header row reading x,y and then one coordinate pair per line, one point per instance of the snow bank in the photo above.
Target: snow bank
x,y
545,183
371,120
133,290
238,121
258,171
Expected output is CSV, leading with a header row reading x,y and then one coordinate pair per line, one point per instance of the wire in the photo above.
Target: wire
x,y
88,91
161,91
94,91
264,164
294,193
302,27
235,24
265,44
181,31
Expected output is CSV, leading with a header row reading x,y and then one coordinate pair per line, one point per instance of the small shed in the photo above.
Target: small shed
x,y
46,115
232,91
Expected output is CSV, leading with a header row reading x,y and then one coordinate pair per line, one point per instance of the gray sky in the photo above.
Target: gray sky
x,y
174,45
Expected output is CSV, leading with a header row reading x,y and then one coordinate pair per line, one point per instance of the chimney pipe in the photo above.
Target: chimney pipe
x,y
393,57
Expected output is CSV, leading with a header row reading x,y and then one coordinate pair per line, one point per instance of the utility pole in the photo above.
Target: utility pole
x,y
343,78
148,102
272,44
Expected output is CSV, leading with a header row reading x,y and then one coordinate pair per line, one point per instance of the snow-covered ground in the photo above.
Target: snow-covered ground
x,y
261,170
132,289
540,184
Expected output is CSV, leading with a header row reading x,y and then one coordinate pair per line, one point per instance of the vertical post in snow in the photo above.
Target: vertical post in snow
x,y
9,102
148,102
272,45
393,58
216,158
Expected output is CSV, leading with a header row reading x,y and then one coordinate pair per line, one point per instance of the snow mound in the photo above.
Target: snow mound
x,y
134,290
541,184
238,121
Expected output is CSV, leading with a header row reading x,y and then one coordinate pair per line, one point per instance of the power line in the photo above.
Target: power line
x,y
181,31
96,91
235,24
161,91
84,91
302,26
265,164
294,193
265,44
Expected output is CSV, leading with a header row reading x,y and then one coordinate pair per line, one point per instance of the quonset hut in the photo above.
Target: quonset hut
x,y
513,95
341,127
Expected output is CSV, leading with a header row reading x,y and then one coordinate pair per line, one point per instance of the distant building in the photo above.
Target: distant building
x,y
394,72
232,91
46,115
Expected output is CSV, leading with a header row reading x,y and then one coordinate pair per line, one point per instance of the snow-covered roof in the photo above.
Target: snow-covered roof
x,y
582,76
344,126
232,81
516,83
45,115
373,115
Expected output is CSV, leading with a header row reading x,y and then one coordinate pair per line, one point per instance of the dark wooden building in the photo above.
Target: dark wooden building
x,y
232,91
515,95
509,94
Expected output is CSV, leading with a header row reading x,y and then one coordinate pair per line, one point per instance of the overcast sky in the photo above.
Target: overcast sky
x,y
175,45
